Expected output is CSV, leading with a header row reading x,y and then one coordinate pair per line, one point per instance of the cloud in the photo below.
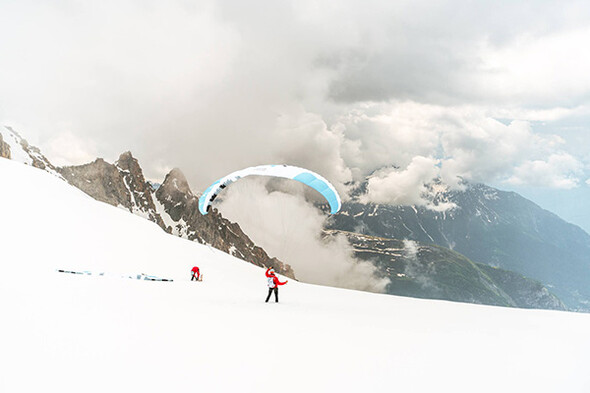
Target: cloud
x,y
402,187
489,53
561,171
305,140
379,135
463,143
421,273
66,148
343,89
290,228
514,70
479,148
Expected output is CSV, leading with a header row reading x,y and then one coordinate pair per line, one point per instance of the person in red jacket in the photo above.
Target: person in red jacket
x,y
196,273
273,284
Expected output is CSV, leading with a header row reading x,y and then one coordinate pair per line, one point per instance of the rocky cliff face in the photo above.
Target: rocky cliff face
x,y
173,206
121,184
427,271
100,180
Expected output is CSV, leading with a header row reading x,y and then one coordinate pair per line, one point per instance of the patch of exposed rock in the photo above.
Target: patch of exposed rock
x,y
4,148
100,180
121,184
139,190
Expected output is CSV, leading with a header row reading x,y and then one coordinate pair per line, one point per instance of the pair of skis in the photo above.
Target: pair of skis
x,y
140,276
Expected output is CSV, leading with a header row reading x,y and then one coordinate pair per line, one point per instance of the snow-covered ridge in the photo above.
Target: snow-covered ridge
x,y
21,151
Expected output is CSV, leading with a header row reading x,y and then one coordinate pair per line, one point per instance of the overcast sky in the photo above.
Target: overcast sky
x,y
489,91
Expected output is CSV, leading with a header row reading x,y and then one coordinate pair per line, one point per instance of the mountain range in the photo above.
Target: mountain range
x,y
491,227
428,271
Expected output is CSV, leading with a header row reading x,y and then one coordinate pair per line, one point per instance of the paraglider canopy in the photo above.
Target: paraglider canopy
x,y
304,176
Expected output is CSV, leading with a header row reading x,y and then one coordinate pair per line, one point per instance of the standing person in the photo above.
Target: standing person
x,y
196,273
273,284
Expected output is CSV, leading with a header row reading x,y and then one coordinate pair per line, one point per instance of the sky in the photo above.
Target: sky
x,y
404,92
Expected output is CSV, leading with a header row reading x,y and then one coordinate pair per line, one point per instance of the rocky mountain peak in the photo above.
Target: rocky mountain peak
x,y
134,180
121,184
127,162
100,180
176,196
100,162
175,181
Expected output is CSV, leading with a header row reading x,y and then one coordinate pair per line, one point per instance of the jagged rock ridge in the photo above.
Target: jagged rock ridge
x,y
173,206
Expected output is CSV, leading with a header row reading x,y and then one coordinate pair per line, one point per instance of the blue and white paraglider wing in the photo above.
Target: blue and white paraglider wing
x,y
304,176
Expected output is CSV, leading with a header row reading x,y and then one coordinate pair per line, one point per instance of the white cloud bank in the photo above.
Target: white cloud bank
x,y
404,187
560,171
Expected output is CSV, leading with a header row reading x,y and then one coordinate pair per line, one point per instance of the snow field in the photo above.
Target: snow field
x,y
72,333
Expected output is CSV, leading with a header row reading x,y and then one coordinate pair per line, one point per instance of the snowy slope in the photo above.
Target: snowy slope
x,y
21,151
72,333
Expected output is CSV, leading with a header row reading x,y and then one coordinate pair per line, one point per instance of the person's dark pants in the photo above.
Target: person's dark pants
x,y
270,290
194,277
